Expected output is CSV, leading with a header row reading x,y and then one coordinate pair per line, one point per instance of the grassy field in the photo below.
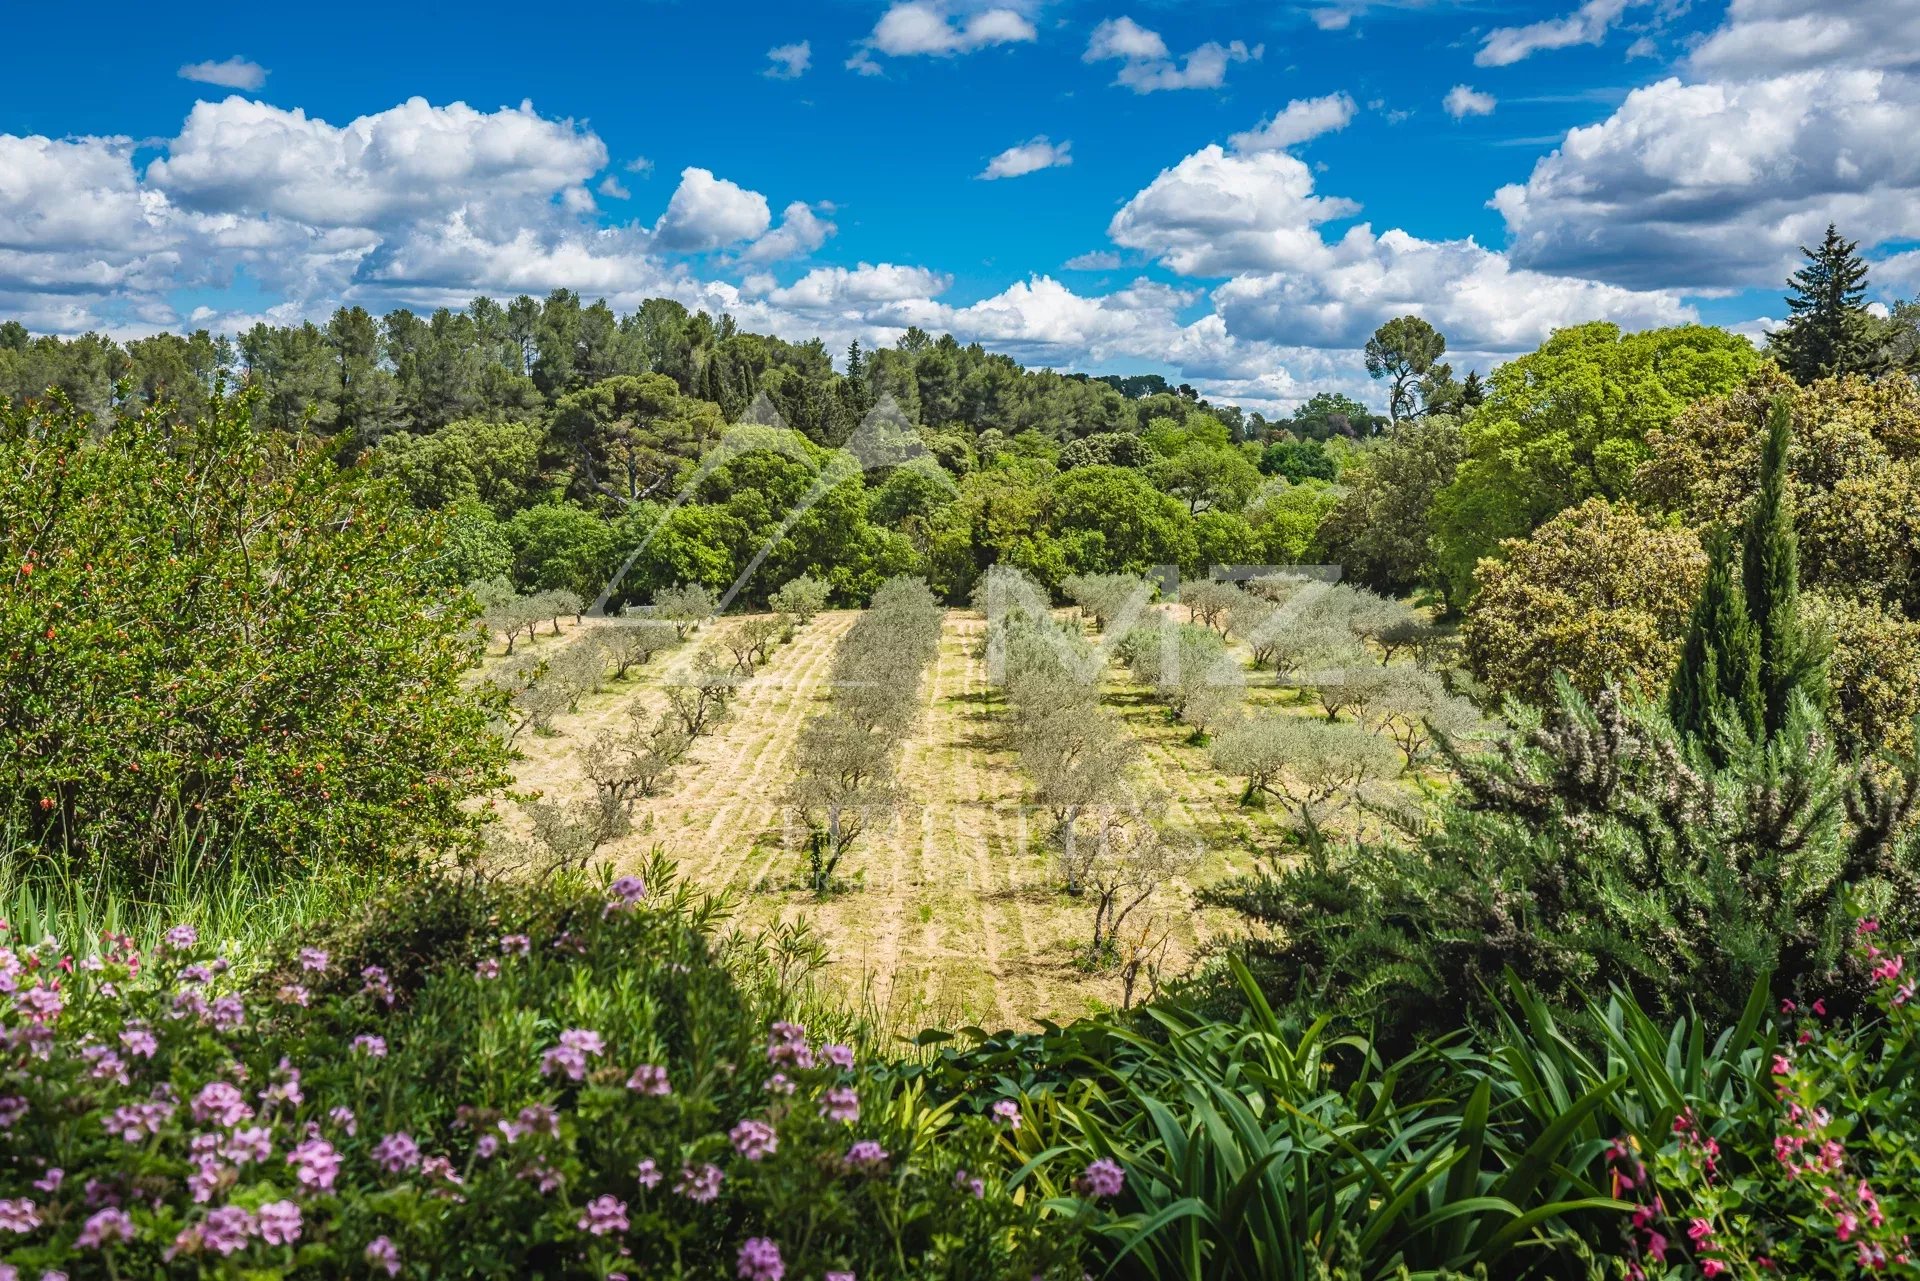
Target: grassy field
x,y
953,916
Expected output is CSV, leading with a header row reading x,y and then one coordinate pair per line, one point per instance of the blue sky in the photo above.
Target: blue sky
x,y
1426,166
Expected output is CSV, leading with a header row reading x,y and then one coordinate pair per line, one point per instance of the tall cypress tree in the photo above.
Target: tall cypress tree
x,y
1792,657
1718,681
1829,330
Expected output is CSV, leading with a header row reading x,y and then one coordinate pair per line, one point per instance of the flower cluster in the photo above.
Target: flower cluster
x,y
340,1112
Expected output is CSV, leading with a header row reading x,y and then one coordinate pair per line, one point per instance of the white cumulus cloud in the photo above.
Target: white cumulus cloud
x,y
1299,121
1146,66
706,213
1464,100
922,27
1790,114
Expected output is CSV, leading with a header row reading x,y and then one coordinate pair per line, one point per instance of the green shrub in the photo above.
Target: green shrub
x,y
1595,848
208,629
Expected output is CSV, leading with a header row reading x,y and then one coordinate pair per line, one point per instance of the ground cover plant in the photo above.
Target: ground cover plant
x,y
578,1078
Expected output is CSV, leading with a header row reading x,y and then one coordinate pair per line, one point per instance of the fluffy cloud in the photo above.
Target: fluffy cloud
x,y
1464,100
1093,260
1030,156
1791,114
801,231
1218,214
1300,121
1146,66
231,73
790,61
1764,37
706,213
857,290
915,27
1589,24
243,156
1714,185
1256,220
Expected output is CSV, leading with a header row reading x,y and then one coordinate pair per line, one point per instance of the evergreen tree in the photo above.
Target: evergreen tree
x,y
1791,656
1829,331
1718,680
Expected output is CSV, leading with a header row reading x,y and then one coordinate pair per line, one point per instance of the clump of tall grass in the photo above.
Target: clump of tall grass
x,y
232,899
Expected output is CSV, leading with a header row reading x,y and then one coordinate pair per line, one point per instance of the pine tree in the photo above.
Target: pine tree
x,y
1791,656
1829,331
1718,681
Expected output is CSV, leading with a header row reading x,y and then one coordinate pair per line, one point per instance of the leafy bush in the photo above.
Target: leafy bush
x,y
478,1081
1596,848
208,629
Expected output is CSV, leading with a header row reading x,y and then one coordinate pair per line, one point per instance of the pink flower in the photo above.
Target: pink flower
x,y
840,1056
1711,1267
219,1103
316,1163
603,1215
396,1152
760,1261
138,1041
374,1047
649,1079
293,994
279,1222
1782,1065
487,969
374,984
627,893
779,1083
1101,1179
104,1228
227,1229
839,1276
344,1118
842,1104
754,1139
252,1144
515,945
52,1179
569,1058
313,960
1845,1225
866,1156
788,1045
648,1173
181,937
702,1185
1007,1113
381,1253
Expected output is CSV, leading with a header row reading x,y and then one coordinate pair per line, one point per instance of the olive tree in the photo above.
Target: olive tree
x,y
1315,768
1109,599
843,787
1132,861
1211,602
802,597
752,640
1190,669
699,697
631,643
685,606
